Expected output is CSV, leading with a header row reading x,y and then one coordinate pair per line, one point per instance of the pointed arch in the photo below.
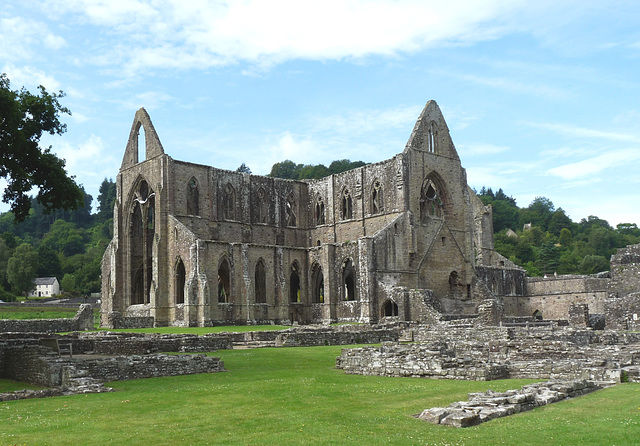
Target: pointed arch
x,y
377,197
348,280
433,198
290,211
319,211
317,284
141,227
228,203
262,207
346,205
193,197
180,277
224,281
389,308
294,283
152,146
260,283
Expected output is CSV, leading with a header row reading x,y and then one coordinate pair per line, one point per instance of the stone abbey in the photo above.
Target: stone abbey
x,y
402,239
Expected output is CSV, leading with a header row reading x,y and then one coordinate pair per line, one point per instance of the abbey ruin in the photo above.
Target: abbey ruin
x,y
404,239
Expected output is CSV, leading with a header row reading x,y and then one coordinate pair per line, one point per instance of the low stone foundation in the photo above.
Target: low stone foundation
x,y
486,406
82,321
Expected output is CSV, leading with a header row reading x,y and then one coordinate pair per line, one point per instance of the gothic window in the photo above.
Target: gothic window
x,y
430,202
262,206
318,284
390,308
377,205
179,282
432,136
193,197
141,235
224,282
348,281
260,283
347,205
229,203
290,211
320,219
294,283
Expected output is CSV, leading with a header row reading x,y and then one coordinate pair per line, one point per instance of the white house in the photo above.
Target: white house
x,y
45,287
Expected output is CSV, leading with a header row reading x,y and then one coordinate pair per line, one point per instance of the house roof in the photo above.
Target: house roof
x,y
46,280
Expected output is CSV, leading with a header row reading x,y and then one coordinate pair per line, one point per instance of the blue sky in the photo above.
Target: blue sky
x,y
541,98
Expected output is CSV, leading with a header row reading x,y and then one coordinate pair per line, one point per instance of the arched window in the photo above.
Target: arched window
x,y
347,205
317,292
432,137
319,211
348,280
290,211
180,279
260,283
193,197
229,203
377,199
141,235
390,308
262,207
454,284
224,282
431,204
294,283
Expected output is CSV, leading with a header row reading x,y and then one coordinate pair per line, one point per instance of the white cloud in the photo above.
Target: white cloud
x,y
596,164
583,132
150,100
200,34
30,78
19,35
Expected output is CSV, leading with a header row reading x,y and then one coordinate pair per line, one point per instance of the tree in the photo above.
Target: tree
x,y
286,169
23,163
106,200
243,168
22,269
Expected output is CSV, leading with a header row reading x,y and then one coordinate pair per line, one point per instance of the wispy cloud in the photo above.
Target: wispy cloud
x,y
30,77
204,33
481,149
573,131
592,166
364,121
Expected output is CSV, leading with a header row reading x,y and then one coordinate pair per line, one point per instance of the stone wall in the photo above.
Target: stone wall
x,y
83,320
492,353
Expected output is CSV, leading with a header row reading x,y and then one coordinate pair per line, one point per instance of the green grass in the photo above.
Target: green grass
x,y
201,330
8,385
295,396
11,312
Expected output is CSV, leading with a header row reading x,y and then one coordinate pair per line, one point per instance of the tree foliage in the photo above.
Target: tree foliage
x,y
22,269
554,243
289,170
23,163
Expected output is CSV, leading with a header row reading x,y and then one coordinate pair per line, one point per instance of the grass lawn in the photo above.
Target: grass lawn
x,y
295,396
12,312
201,330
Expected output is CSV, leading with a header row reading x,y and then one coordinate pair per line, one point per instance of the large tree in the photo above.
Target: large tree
x,y
22,269
24,117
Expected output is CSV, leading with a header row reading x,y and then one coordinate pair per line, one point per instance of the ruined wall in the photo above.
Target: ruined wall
x,y
83,320
552,296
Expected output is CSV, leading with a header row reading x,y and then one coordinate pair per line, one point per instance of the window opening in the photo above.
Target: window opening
x,y
390,308
290,212
318,284
224,282
376,198
320,219
347,205
180,281
260,283
294,284
193,198
348,281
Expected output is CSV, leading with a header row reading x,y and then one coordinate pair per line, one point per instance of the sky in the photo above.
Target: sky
x,y
541,98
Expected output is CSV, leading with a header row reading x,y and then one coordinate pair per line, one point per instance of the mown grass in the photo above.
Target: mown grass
x,y
202,330
11,312
296,396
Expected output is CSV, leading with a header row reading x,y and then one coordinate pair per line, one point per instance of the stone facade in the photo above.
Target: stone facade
x,y
197,246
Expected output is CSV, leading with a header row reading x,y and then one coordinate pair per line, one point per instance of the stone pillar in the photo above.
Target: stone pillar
x,y
579,315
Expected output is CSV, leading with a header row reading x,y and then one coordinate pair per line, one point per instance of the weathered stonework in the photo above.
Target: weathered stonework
x,y
197,246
